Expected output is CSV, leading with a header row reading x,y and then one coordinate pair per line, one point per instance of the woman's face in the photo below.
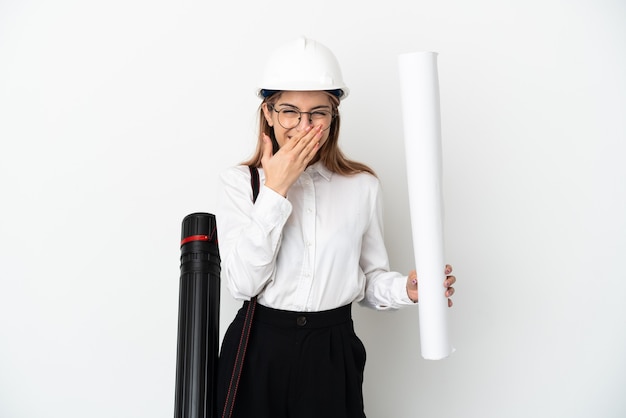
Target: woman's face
x,y
318,102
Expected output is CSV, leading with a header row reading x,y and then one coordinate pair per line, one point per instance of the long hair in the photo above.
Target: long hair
x,y
330,154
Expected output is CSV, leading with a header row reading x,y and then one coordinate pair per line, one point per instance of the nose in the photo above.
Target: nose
x,y
305,121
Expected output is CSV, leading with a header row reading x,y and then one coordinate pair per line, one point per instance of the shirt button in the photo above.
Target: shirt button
x,y
301,321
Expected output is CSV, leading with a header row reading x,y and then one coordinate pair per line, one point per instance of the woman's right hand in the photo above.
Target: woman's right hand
x,y
283,168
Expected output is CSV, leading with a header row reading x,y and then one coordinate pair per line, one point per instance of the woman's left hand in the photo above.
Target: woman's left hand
x,y
411,285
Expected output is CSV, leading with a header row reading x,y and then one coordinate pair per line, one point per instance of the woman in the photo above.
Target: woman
x,y
307,248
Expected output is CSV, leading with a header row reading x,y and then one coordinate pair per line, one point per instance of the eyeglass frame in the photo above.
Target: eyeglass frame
x,y
333,115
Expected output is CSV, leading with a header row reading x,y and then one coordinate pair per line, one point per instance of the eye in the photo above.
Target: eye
x,y
320,114
290,113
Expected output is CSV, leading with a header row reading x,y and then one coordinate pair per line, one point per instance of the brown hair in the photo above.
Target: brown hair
x,y
330,153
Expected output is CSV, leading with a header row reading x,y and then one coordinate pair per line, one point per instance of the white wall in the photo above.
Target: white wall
x,y
115,118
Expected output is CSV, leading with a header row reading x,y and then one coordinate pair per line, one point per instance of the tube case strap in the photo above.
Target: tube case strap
x,y
247,324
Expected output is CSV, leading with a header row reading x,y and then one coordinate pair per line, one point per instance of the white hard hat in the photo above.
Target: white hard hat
x,y
302,65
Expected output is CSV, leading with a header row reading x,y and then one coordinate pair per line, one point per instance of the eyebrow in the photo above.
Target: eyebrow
x,y
296,107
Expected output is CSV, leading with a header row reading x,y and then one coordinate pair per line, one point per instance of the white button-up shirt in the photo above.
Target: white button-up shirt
x,y
320,248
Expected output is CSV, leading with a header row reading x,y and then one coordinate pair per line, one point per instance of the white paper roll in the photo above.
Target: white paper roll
x,y
419,83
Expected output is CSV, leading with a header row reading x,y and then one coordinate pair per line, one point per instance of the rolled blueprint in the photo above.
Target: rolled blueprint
x,y
419,86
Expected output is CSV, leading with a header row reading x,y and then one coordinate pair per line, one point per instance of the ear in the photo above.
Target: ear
x,y
268,114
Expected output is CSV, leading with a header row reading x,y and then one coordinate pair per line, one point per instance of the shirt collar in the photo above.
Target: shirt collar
x,y
321,169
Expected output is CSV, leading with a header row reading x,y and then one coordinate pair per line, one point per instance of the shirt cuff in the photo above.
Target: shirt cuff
x,y
271,209
400,294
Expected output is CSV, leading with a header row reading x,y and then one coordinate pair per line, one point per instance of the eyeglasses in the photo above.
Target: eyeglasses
x,y
290,118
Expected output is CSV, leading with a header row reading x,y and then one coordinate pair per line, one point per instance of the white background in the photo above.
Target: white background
x,y
116,118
